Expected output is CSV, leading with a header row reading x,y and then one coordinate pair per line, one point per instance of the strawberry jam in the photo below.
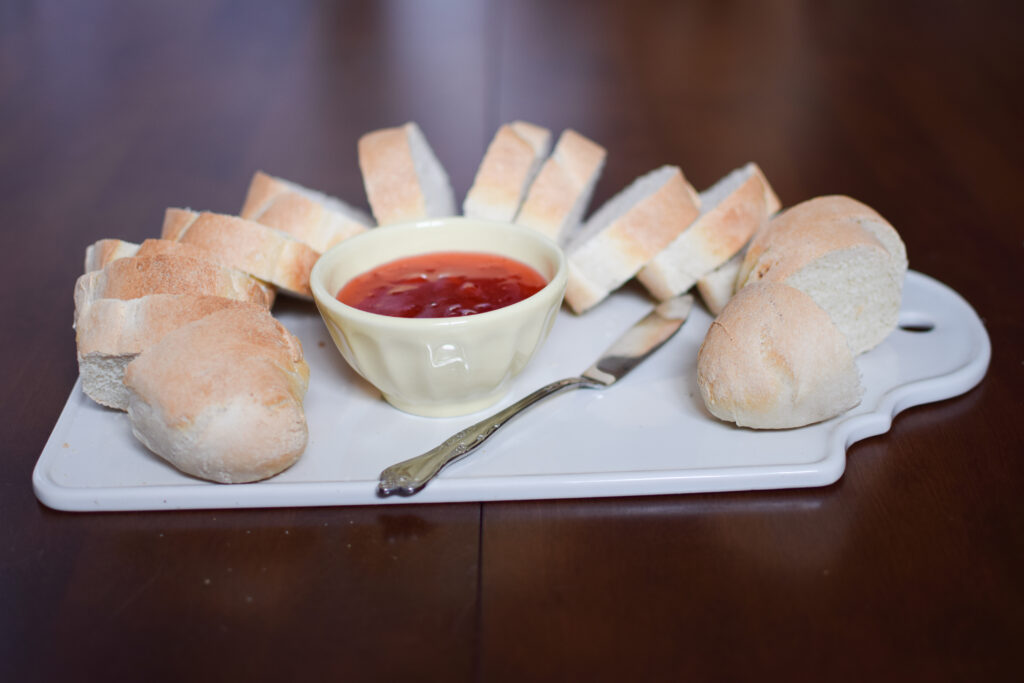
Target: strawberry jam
x,y
442,285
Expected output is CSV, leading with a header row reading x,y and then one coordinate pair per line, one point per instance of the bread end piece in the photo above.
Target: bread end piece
x,y
221,398
773,359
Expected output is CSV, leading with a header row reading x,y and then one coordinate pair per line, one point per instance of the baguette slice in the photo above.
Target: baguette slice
x,y
509,165
102,252
403,178
264,253
843,255
626,232
131,278
773,359
559,195
732,210
110,333
718,286
319,220
221,398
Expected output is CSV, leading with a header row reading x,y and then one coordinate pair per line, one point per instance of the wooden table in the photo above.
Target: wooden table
x,y
909,568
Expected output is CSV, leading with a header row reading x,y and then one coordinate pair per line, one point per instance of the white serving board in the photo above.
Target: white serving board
x,y
648,434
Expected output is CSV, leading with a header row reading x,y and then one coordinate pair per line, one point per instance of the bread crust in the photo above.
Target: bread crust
x,y
100,253
561,190
221,398
773,359
508,166
263,252
713,238
277,204
130,278
607,259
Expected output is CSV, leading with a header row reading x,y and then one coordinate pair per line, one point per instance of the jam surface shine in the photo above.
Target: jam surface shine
x,y
442,285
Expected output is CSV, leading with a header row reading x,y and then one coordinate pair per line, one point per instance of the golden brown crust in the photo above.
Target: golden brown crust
x,y
773,359
262,252
130,278
565,179
221,397
276,204
389,174
505,171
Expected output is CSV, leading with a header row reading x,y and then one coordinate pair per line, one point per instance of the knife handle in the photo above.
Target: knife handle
x,y
411,475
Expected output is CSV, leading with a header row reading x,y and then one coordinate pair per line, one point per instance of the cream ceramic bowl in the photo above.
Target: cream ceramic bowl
x,y
440,367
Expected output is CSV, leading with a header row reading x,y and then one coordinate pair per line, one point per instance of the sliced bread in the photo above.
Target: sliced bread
x,y
732,210
509,165
626,232
717,287
221,398
403,178
264,253
100,253
134,277
773,359
319,220
843,255
559,195
110,333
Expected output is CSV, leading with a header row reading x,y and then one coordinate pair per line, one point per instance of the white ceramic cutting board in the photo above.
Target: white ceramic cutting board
x,y
648,434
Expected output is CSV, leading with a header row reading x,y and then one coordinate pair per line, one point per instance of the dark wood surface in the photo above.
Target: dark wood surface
x,y
909,568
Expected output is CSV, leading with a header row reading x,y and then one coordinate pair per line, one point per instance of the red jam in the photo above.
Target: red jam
x,y
442,285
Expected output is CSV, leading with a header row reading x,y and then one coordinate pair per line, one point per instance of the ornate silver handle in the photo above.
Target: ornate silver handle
x,y
411,475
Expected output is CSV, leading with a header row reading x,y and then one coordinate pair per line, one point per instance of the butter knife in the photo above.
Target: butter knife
x,y
628,351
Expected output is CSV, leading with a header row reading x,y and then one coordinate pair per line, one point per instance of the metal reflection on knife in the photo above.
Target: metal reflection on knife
x,y
628,351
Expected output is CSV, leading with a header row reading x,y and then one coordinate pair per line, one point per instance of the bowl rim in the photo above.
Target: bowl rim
x,y
323,298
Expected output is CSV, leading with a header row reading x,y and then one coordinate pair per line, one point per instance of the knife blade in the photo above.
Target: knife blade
x,y
635,345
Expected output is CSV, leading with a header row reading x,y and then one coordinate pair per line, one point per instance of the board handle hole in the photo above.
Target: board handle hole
x,y
916,322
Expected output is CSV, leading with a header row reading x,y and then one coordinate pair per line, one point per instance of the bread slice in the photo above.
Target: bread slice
x,y
717,287
509,165
110,333
843,255
626,232
264,253
221,398
403,178
559,195
319,220
773,359
100,253
131,278
732,210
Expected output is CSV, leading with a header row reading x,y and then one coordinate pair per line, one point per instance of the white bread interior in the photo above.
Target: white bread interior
x,y
626,232
403,178
773,359
841,253
312,217
221,398
559,194
101,252
264,253
732,210
110,333
509,165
